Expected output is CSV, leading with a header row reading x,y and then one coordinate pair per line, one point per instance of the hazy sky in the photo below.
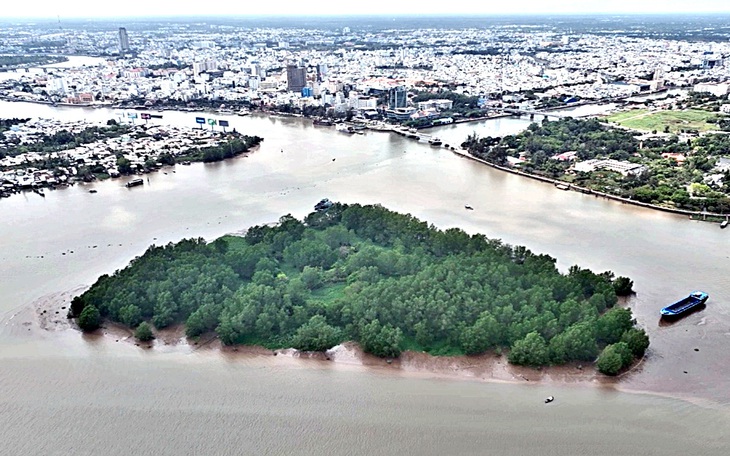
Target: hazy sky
x,y
134,8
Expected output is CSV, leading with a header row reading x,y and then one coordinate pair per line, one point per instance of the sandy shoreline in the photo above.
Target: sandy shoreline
x,y
47,315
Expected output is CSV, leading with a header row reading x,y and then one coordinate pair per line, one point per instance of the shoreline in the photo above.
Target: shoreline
x,y
47,315
693,215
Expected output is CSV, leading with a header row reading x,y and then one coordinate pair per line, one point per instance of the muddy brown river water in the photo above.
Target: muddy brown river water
x,y
63,393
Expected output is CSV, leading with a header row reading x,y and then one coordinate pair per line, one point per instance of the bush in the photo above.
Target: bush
x,y
623,286
383,341
530,351
316,335
614,358
143,333
637,341
90,319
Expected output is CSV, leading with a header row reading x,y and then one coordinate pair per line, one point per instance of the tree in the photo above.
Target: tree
x,y
611,325
311,277
577,343
130,315
609,361
383,341
614,358
486,333
90,319
143,333
530,351
316,335
637,341
124,165
623,286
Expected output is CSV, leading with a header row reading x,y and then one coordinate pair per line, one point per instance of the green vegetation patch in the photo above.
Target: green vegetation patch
x,y
666,121
674,173
386,280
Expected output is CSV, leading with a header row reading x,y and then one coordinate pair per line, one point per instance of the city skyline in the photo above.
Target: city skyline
x,y
169,8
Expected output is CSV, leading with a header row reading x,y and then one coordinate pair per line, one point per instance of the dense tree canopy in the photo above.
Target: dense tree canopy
x,y
364,273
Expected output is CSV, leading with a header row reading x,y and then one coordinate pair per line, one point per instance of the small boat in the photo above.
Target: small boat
x,y
343,128
92,191
134,183
696,298
434,142
724,224
549,399
468,208
562,186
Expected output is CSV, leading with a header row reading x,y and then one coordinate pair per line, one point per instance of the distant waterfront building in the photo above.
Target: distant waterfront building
x,y
123,41
296,78
622,167
437,104
397,97
718,90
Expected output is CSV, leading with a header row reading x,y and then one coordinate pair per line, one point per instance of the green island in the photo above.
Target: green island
x,y
690,174
385,280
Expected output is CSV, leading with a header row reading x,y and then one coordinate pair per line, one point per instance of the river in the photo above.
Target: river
x,y
64,393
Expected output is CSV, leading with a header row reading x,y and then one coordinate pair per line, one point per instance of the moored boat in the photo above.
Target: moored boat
x,y
435,142
684,305
322,122
134,183
344,128
724,224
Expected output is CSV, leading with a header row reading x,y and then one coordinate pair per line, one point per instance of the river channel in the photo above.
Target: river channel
x,y
64,393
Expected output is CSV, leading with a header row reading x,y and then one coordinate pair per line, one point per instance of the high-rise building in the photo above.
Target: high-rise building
x,y
296,78
397,97
123,40
321,71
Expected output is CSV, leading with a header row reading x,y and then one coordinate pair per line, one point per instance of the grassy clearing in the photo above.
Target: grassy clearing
x,y
642,119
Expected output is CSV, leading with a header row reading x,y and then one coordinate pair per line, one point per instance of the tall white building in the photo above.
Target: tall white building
x,y
123,41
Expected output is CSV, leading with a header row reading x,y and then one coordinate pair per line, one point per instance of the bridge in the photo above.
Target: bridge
x,y
533,113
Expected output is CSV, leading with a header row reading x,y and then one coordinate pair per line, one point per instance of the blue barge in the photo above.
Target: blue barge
x,y
696,298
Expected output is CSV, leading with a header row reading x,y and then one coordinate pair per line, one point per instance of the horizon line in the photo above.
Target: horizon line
x,y
369,15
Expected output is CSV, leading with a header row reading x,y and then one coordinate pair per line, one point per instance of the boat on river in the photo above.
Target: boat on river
x,y
724,223
134,183
344,128
684,305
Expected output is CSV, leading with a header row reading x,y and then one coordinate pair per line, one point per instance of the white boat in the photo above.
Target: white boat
x,y
343,128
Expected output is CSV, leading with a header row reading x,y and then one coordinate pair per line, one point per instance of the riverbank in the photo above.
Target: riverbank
x,y
562,185
48,315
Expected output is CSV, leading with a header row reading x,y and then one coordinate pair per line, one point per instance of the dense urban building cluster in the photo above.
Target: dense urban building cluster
x,y
347,67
